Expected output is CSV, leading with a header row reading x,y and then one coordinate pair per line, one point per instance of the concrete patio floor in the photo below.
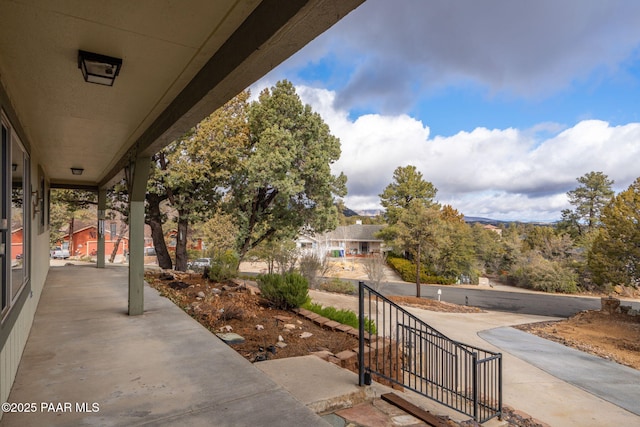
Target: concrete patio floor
x,y
88,363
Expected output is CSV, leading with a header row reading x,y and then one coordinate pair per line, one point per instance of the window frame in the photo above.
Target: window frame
x,y
12,290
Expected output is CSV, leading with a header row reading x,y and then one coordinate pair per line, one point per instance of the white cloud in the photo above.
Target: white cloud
x,y
499,173
525,49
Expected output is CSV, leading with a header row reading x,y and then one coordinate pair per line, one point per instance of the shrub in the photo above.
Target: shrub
x,y
223,267
309,267
543,275
338,286
346,317
407,271
286,291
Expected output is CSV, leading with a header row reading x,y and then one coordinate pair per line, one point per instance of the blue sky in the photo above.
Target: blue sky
x,y
501,104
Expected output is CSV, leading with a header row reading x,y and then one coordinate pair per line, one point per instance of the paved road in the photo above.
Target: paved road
x,y
540,304
499,300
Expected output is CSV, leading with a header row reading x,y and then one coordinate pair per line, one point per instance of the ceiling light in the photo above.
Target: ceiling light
x,y
99,69
77,171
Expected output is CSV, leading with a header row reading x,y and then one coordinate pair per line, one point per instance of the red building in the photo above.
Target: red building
x,y
85,242
17,238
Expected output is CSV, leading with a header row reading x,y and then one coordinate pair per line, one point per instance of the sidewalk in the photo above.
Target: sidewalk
x,y
163,368
608,380
527,387
88,363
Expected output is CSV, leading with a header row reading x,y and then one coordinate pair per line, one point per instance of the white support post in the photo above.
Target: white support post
x,y
138,186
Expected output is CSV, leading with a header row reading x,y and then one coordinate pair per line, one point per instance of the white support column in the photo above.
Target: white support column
x,y
102,206
138,189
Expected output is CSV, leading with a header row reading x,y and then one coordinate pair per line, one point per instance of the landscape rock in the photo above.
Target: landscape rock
x,y
259,327
281,344
609,305
306,335
231,338
201,294
226,328
289,326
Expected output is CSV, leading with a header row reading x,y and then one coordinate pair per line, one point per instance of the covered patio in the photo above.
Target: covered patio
x,y
89,92
88,363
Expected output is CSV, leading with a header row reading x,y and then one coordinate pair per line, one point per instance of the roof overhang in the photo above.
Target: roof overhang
x,y
181,60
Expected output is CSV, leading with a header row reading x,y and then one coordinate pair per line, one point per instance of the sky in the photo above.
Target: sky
x,y
501,104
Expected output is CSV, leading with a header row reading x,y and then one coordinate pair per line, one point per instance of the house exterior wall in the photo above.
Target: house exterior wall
x,y
15,325
362,248
85,242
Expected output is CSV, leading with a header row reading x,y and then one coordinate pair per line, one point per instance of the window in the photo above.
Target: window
x,y
15,220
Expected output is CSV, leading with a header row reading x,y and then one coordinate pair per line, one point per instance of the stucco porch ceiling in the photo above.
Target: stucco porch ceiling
x,y
182,59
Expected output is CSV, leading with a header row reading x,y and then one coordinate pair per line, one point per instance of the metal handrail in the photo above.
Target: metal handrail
x,y
406,351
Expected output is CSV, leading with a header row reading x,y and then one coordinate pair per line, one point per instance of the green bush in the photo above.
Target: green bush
x,y
338,286
287,291
346,317
543,275
407,271
224,267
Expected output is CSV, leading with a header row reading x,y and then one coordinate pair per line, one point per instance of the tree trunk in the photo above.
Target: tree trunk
x,y
154,219
181,242
418,273
114,252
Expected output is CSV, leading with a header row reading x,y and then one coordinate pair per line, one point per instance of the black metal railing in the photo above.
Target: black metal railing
x,y
404,350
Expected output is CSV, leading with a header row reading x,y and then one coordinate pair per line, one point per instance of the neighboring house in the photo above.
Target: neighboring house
x,y
171,239
85,242
492,228
346,240
16,243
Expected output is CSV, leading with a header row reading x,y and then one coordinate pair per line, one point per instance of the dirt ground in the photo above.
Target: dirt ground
x,y
272,334
268,333
614,337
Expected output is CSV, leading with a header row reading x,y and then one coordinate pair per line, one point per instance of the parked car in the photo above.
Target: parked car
x,y
59,253
200,263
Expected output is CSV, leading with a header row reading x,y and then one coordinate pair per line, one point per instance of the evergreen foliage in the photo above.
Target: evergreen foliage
x,y
224,266
615,256
284,291
407,271
541,274
338,286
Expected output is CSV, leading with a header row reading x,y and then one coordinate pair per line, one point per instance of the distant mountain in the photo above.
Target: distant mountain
x,y
468,219
496,222
369,212
474,219
348,212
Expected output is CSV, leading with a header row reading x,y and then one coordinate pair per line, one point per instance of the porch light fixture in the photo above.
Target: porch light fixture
x,y
99,69
14,167
77,171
